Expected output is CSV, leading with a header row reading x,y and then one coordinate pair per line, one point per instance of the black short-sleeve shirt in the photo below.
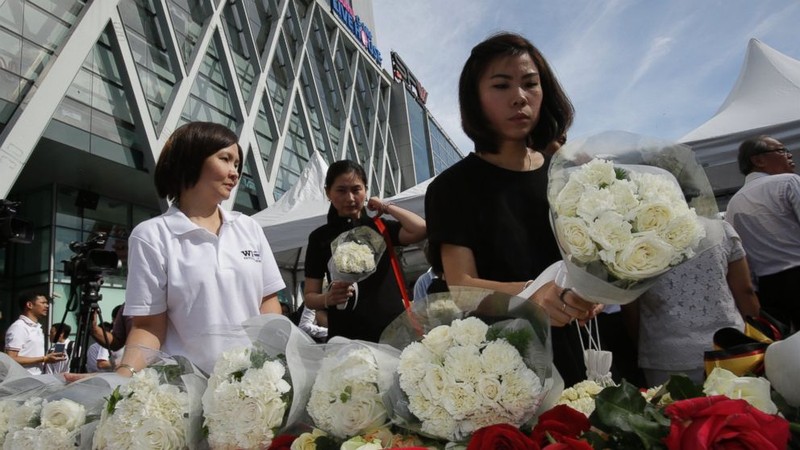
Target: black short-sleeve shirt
x,y
501,215
379,299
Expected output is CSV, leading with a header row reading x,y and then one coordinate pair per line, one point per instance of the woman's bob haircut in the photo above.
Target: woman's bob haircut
x,y
556,113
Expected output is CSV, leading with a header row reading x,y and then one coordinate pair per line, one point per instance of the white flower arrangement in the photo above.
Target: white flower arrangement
x,y
345,399
458,379
636,224
41,425
580,396
246,400
352,257
144,413
755,390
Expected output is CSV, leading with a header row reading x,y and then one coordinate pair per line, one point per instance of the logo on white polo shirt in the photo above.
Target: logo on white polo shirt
x,y
253,255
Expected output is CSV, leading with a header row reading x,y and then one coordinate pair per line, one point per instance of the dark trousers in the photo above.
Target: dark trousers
x,y
779,295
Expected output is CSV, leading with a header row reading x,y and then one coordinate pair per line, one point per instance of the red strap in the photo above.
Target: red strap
x,y
398,272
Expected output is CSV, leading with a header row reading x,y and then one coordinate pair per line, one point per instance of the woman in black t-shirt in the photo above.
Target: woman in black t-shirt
x,y
487,215
379,299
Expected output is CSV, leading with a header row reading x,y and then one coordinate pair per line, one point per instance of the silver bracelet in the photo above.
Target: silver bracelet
x,y
129,367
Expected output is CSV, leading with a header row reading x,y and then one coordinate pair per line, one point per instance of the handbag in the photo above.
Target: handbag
x,y
396,267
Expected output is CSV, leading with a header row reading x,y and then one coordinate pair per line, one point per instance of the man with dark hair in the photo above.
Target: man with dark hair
x,y
25,338
766,214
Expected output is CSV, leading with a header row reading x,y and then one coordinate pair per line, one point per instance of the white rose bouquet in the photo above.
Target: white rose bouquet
x,y
159,407
475,358
346,398
620,215
355,255
257,392
40,424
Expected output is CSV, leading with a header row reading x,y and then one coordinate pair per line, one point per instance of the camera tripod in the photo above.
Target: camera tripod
x,y
89,308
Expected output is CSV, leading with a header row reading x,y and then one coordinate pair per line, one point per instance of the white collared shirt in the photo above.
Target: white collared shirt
x,y
208,284
27,338
766,215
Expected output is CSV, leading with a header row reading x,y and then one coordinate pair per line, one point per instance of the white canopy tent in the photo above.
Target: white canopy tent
x,y
303,208
764,100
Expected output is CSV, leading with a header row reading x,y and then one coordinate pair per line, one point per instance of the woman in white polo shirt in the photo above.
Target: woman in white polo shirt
x,y
196,272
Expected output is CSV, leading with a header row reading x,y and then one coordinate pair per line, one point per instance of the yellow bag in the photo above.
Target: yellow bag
x,y
737,352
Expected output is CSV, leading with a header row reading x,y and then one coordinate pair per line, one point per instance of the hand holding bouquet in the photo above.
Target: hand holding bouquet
x,y
621,217
355,255
471,358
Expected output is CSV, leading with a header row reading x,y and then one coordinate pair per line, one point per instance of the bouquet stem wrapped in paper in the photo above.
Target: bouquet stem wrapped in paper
x,y
624,210
471,358
354,256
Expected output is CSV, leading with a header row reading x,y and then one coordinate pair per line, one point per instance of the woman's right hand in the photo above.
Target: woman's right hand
x,y
338,292
564,305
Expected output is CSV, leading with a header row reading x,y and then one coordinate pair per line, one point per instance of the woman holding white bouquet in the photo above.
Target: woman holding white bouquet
x,y
379,300
488,214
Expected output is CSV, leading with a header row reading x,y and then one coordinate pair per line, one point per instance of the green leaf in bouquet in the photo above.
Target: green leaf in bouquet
x,y
520,339
680,387
345,396
113,399
620,173
622,409
170,373
326,443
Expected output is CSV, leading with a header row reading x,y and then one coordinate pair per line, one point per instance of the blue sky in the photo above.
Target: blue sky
x,y
654,67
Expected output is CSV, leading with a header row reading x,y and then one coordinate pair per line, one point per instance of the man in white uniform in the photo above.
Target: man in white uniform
x,y
25,338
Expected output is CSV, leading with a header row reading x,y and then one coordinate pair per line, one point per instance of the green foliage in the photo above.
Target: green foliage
x,y
326,443
680,387
620,173
347,394
627,420
170,373
113,399
520,339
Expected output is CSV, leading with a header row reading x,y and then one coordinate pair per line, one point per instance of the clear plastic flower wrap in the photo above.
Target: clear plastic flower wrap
x,y
355,255
624,211
255,392
470,358
350,379
16,383
159,407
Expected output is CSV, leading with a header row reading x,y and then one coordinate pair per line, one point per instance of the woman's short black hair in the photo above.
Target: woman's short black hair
x,y
748,149
182,157
342,167
556,113
339,168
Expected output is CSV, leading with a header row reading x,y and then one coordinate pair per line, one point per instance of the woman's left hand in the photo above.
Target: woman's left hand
x,y
376,204
564,305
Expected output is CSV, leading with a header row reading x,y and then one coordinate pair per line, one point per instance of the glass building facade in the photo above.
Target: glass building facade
x,y
90,91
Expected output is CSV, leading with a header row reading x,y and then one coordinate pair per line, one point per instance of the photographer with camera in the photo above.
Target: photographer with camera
x,y
25,338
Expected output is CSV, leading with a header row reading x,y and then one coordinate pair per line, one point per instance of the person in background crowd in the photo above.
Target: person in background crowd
x,y
678,316
196,272
488,214
25,338
379,299
120,327
766,214
98,358
59,334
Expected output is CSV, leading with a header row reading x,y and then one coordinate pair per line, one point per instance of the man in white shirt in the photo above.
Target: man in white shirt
x,y
25,338
766,215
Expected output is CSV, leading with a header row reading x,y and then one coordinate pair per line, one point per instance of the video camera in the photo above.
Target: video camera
x,y
91,259
13,229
